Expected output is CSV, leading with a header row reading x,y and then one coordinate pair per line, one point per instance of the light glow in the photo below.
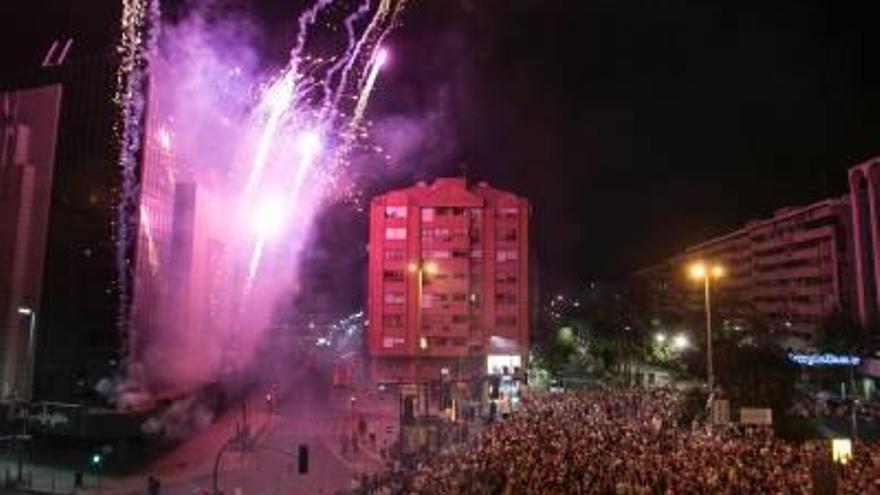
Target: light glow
x,y
841,450
269,218
431,268
698,271
680,342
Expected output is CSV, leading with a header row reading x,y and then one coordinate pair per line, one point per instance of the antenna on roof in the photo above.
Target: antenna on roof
x,y
49,61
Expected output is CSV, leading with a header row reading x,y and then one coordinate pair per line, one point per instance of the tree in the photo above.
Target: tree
x,y
841,333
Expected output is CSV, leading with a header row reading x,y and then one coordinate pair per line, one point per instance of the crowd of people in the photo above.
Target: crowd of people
x,y
629,442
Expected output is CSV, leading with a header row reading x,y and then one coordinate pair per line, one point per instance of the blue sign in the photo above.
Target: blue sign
x,y
825,359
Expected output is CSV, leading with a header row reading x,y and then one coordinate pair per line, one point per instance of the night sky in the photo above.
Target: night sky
x,y
635,128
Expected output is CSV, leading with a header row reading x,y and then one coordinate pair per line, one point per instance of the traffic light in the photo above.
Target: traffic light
x,y
303,458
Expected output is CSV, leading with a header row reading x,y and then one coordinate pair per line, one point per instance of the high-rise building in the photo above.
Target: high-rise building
x,y
792,270
60,184
448,282
864,181
59,271
28,137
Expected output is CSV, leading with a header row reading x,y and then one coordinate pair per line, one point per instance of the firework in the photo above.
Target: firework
x,y
291,145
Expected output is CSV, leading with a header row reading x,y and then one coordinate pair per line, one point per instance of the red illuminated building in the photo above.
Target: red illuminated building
x,y
448,282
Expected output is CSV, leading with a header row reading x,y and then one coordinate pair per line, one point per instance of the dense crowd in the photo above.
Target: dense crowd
x,y
629,442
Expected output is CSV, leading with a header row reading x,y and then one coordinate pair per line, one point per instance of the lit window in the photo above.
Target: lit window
x,y
427,214
395,233
427,300
508,212
395,212
506,255
391,342
394,298
437,254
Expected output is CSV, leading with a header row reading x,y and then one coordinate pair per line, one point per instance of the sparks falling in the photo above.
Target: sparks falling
x,y
287,155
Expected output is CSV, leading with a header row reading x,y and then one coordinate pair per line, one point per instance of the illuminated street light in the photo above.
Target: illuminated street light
x,y
680,342
431,268
698,270
421,269
660,338
703,271
25,311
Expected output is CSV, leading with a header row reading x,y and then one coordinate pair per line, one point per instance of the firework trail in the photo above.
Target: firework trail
x,y
139,33
290,151
306,20
372,28
341,61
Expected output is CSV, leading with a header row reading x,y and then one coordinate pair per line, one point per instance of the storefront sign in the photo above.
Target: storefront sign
x,y
825,359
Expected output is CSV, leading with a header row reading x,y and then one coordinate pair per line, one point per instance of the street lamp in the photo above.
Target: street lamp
x,y
706,272
32,323
660,338
680,342
421,269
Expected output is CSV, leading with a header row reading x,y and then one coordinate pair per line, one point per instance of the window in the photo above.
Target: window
x,y
427,214
505,321
439,234
427,301
394,255
477,253
458,319
392,275
508,212
394,298
395,233
459,297
395,211
393,320
506,255
436,254
505,298
509,234
459,253
391,342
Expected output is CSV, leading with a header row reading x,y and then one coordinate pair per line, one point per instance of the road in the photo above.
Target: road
x,y
312,415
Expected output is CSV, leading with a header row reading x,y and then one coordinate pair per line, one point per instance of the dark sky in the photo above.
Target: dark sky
x,y
635,127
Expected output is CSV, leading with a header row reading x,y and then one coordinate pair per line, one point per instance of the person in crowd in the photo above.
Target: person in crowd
x,y
624,442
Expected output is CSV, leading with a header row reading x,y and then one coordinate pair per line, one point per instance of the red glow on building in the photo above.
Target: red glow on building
x,y
448,281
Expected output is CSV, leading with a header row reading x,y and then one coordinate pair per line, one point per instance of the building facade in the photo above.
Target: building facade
x,y
791,270
864,180
60,312
448,282
28,141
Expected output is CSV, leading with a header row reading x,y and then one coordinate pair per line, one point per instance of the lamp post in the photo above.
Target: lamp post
x,y
420,269
706,272
27,374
